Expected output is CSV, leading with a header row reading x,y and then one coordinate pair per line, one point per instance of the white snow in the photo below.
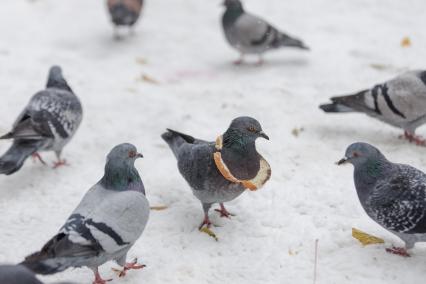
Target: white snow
x,y
199,91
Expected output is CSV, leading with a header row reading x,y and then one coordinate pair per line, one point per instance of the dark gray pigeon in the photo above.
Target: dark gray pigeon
x,y
124,12
17,274
400,102
104,226
47,123
393,195
236,150
250,34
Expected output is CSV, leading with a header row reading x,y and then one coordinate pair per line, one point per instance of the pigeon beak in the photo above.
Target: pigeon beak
x,y
139,155
342,161
263,134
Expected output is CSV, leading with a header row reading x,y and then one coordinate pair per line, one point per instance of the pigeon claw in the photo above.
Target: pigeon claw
x,y
418,140
36,156
60,163
398,251
129,266
99,280
223,212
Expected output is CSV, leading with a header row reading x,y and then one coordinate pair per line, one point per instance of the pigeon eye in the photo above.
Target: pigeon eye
x,y
251,129
356,155
132,154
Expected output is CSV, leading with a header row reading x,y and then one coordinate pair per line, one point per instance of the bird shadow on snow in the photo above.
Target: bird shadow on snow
x,y
250,64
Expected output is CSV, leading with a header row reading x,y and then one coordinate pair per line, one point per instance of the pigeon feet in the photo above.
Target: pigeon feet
x,y
36,156
414,139
223,212
60,163
398,251
99,280
205,222
129,266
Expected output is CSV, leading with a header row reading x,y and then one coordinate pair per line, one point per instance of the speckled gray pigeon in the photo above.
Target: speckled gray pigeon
x,y
393,195
250,34
400,102
197,165
104,226
47,123
124,12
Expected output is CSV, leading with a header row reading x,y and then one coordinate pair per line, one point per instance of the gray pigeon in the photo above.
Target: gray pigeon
x,y
124,12
400,102
393,195
216,171
17,274
47,123
104,226
250,34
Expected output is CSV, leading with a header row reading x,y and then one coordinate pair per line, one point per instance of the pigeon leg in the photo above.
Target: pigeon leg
x,y
223,212
36,156
412,138
60,162
206,222
398,251
98,278
240,60
129,266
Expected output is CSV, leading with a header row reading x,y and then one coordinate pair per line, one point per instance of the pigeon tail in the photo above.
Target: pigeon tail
x,y
176,140
335,107
15,157
287,41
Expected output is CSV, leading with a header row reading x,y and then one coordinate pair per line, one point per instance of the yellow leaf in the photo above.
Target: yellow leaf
x,y
149,79
209,232
365,238
406,42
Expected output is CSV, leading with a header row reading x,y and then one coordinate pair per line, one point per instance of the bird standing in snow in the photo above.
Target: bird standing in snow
x,y
393,195
47,123
104,226
400,102
250,34
220,171
124,12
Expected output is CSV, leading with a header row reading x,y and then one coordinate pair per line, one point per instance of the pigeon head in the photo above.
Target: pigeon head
x,y
359,154
233,4
120,169
243,131
56,79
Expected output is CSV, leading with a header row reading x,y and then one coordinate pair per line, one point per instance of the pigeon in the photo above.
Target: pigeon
x,y
400,102
220,171
393,195
250,34
17,274
124,12
47,123
104,226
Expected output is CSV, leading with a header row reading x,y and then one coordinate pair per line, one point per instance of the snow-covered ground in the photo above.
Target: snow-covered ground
x,y
179,44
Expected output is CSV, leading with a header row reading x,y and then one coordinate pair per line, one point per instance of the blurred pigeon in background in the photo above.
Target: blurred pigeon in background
x,y
216,172
47,123
393,195
104,226
17,274
400,102
250,34
124,12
